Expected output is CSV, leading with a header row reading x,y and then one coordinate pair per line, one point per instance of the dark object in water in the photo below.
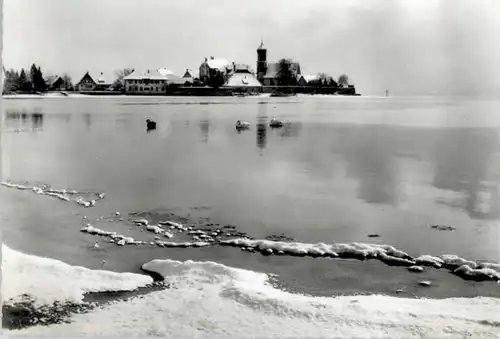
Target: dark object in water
x,y
240,125
150,124
275,123
373,235
280,94
443,227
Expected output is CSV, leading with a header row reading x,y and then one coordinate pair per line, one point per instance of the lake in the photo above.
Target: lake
x,y
343,168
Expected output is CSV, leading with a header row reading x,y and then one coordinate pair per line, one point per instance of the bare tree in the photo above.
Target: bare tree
x,y
120,74
68,82
343,80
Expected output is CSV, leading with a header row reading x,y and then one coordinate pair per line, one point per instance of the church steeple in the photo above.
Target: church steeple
x,y
261,46
261,60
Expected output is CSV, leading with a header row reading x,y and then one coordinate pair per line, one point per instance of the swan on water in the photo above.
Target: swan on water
x,y
242,124
276,123
96,245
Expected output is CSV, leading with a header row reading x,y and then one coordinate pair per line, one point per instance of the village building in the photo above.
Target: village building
x,y
267,73
93,83
55,83
151,81
188,77
241,79
213,68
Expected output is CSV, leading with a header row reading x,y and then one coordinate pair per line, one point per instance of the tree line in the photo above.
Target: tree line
x,y
30,81
286,77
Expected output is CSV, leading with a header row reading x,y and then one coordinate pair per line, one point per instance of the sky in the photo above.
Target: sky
x,y
409,47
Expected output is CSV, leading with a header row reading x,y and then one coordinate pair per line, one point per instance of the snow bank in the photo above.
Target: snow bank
x,y
211,299
48,280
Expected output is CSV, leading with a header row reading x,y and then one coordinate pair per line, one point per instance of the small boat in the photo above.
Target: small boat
x,y
242,125
276,123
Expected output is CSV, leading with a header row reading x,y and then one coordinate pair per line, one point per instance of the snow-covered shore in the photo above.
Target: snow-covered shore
x,y
49,280
212,299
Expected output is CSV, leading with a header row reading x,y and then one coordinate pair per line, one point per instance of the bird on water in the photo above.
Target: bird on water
x,y
150,124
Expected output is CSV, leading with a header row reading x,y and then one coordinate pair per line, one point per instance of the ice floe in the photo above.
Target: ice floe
x,y
385,253
61,194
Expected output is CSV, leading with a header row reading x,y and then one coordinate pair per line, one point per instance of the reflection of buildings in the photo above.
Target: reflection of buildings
x,y
20,120
37,120
204,129
87,118
261,128
467,162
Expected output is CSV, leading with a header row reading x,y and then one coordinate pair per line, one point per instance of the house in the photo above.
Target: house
x,y
213,68
241,79
151,81
93,83
187,77
55,83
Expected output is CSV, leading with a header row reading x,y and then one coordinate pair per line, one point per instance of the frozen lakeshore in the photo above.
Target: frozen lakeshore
x,y
222,300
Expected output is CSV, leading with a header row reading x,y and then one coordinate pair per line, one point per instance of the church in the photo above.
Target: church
x,y
267,73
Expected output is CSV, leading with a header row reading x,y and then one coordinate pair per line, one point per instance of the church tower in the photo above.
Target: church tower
x,y
261,61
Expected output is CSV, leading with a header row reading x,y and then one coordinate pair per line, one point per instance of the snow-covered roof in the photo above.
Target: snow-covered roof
x,y
51,79
100,79
310,77
152,74
97,79
165,71
218,63
242,80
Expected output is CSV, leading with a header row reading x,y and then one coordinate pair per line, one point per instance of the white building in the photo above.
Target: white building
x,y
212,67
241,79
151,81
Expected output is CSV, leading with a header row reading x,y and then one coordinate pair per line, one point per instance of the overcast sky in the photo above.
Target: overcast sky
x,y
410,47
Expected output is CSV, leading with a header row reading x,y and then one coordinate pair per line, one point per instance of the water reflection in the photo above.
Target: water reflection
x,y
87,118
261,127
291,130
371,160
468,161
204,126
20,120
37,120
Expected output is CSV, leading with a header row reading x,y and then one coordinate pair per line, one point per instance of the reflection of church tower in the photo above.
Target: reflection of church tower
x,y
261,61
261,127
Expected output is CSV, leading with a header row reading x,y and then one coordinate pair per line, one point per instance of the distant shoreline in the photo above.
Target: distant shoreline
x,y
79,95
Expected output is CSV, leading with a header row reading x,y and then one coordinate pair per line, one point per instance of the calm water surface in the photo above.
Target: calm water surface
x,y
343,168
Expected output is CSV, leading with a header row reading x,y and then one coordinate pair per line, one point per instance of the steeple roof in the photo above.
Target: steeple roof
x,y
261,46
